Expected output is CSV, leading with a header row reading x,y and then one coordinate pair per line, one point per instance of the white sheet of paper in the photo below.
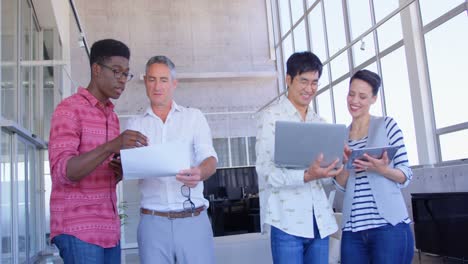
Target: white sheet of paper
x,y
160,160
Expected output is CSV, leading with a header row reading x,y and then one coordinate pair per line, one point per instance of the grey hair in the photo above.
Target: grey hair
x,y
162,60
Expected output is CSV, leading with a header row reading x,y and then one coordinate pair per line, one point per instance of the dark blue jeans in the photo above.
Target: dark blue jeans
x,y
290,249
76,251
385,244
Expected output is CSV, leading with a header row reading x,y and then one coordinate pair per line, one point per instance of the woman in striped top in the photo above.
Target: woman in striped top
x,y
375,220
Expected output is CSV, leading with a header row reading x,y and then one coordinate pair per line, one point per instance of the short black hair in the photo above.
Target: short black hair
x,y
103,49
372,78
301,62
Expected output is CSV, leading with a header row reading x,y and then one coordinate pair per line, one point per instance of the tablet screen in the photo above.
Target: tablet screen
x,y
376,152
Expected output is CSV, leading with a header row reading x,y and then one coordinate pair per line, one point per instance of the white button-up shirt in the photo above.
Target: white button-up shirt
x,y
182,124
286,201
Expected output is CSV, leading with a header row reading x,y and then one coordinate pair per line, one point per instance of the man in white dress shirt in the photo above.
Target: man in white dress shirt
x,y
293,202
174,226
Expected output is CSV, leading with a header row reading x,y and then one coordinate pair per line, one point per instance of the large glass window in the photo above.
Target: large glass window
x,y
340,93
447,61
454,146
317,36
324,107
335,26
285,17
390,32
384,8
431,10
359,16
300,38
297,9
398,98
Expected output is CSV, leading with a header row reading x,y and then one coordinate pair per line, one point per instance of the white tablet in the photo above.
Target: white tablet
x,y
375,152
298,144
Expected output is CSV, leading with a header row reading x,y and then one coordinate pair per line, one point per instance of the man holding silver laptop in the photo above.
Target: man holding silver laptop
x,y
293,201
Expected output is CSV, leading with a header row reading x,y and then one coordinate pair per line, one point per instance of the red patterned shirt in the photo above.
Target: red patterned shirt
x,y
87,208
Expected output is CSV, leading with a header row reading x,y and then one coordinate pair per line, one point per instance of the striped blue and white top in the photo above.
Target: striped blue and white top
x,y
364,212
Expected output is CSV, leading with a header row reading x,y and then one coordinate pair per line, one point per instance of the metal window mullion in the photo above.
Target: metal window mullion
x,y
377,57
291,25
327,57
306,25
347,25
281,58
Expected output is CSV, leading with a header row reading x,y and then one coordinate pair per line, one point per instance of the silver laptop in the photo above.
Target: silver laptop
x,y
298,144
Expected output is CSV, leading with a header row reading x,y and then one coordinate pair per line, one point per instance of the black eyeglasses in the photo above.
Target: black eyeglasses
x,y
188,204
118,74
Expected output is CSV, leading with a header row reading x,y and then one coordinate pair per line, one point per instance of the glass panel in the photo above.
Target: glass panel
x,y
398,98
431,10
48,97
383,8
447,71
285,18
335,26
26,32
287,49
238,152
339,66
252,155
22,164
389,32
47,190
6,206
8,57
48,38
325,78
297,9
324,106
222,150
340,92
32,204
359,16
8,30
25,96
316,33
454,146
8,90
34,93
300,38
363,50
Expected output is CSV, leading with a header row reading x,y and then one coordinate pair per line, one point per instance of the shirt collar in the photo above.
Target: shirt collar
x,y
174,107
93,100
292,111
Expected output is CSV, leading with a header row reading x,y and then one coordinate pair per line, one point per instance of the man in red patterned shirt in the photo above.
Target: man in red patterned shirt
x,y
84,136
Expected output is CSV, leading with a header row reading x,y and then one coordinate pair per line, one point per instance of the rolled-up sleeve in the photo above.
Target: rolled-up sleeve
x,y
64,141
400,161
203,142
265,149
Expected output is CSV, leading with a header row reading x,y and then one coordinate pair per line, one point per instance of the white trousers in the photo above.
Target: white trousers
x,y
183,240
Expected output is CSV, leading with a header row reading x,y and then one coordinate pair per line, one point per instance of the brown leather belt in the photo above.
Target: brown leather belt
x,y
174,214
